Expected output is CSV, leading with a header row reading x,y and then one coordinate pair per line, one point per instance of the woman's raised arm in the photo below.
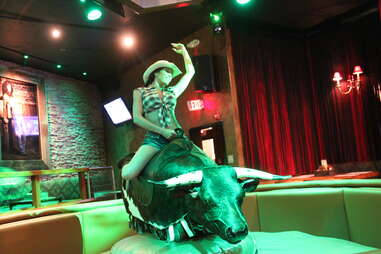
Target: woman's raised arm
x,y
189,69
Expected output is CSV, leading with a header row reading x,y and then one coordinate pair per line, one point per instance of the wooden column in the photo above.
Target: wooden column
x,y
36,191
82,185
236,117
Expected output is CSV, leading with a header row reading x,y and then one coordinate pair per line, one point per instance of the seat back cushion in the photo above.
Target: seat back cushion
x,y
317,211
103,227
250,211
58,234
363,208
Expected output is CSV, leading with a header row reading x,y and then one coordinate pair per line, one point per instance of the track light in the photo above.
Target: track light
x,y
216,19
94,14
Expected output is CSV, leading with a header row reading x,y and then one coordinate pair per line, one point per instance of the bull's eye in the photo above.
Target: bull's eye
x,y
213,213
240,199
194,192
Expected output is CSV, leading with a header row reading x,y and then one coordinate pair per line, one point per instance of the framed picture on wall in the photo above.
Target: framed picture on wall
x,y
19,121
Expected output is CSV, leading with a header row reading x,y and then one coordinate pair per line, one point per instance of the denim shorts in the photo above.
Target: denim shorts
x,y
158,141
155,140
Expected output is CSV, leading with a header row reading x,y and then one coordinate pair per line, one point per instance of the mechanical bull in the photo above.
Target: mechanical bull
x,y
182,193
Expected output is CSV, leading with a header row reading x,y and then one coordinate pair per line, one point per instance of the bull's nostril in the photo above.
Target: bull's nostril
x,y
230,233
239,231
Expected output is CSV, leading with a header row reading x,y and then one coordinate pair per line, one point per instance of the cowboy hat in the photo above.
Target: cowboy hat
x,y
161,64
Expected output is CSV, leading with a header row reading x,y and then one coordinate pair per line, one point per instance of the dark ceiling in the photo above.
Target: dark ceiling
x,y
94,47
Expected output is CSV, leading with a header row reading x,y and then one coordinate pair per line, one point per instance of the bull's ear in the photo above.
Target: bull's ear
x,y
249,185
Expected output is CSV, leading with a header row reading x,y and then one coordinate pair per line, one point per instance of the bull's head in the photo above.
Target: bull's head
x,y
215,198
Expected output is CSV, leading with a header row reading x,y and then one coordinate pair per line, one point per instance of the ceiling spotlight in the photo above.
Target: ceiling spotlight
x,y
127,41
216,19
94,14
56,33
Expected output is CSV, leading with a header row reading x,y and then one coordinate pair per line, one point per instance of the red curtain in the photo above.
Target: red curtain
x,y
291,114
352,123
276,110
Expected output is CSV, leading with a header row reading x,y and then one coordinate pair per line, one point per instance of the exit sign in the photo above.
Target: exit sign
x,y
194,105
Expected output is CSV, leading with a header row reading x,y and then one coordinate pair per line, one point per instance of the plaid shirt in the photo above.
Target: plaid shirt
x,y
151,101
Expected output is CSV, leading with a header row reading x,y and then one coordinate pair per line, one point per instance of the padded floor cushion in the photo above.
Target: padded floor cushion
x,y
147,244
294,242
288,242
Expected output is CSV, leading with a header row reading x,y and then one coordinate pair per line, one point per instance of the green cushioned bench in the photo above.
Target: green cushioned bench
x,y
352,214
342,216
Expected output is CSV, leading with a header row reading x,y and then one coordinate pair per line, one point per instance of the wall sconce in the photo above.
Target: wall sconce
x,y
345,87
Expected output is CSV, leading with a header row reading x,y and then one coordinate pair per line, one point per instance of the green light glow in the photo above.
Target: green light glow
x,y
82,1
94,14
58,66
242,1
216,17
84,73
26,57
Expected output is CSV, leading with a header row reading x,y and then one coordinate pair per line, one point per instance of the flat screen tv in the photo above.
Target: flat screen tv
x,y
118,111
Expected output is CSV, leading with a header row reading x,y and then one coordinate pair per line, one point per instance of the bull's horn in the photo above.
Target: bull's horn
x,y
253,173
181,180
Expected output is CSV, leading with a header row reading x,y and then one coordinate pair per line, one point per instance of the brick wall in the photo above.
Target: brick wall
x,y
75,124
74,115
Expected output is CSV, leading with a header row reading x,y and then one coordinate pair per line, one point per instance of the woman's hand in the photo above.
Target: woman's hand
x,y
169,134
179,48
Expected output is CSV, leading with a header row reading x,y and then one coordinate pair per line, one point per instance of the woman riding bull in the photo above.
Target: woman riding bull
x,y
154,108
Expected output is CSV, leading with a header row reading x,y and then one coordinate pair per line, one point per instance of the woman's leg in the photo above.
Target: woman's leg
x,y
137,163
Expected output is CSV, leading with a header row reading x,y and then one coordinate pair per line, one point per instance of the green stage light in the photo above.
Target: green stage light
x,y
84,73
94,14
58,66
26,57
242,1
82,1
215,17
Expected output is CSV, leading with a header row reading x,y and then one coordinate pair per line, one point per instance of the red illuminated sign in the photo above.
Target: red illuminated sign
x,y
194,105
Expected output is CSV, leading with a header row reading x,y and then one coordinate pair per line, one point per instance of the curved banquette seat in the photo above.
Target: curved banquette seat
x,y
349,214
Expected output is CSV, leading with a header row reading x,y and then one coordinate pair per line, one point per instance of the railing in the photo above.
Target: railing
x,y
35,176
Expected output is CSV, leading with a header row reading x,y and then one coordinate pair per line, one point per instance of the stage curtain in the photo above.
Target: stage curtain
x,y
291,114
276,106
351,124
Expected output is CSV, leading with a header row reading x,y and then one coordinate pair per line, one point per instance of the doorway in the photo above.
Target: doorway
x,y
210,138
